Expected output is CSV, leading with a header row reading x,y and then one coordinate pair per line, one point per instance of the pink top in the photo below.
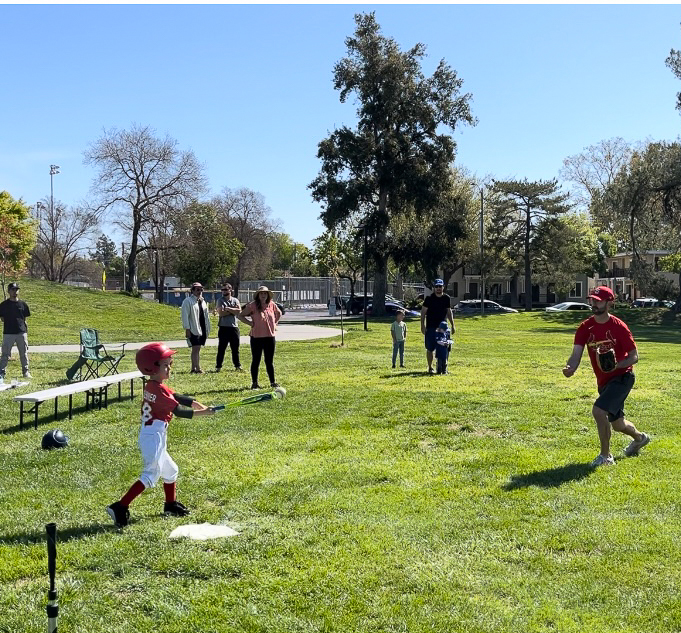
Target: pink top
x,y
265,322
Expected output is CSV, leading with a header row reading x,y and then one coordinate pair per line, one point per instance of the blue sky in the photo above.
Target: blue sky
x,y
249,87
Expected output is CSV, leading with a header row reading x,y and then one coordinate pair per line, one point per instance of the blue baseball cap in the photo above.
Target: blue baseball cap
x,y
443,325
439,282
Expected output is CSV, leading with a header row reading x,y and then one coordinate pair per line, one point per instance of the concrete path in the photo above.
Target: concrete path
x,y
285,332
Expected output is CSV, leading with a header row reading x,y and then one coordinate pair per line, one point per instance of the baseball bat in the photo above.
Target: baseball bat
x,y
260,397
52,598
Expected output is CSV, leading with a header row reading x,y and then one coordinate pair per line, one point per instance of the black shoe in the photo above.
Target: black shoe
x,y
393,366
119,514
217,370
274,385
255,385
402,366
175,508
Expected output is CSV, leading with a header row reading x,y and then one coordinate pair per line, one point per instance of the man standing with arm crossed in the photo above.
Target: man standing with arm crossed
x,y
228,308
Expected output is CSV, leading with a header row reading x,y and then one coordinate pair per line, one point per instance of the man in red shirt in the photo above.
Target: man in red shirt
x,y
613,353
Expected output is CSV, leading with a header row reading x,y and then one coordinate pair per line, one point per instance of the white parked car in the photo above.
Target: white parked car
x,y
568,305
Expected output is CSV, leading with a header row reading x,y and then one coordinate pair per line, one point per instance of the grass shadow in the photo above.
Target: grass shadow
x,y
407,374
69,534
551,477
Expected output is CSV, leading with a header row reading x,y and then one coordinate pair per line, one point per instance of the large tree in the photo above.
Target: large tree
x,y
564,247
397,156
105,253
646,194
17,236
592,171
63,234
249,220
439,240
139,174
519,206
339,254
674,64
208,253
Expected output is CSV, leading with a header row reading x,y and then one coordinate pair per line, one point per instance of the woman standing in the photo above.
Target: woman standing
x,y
265,315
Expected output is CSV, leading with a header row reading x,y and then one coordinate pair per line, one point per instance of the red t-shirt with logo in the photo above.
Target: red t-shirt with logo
x,y
158,402
613,334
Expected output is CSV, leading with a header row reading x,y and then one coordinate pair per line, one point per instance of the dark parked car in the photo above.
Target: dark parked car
x,y
472,306
391,307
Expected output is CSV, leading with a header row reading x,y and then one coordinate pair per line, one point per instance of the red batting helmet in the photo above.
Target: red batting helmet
x,y
149,356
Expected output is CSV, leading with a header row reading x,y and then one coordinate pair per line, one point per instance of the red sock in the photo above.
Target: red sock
x,y
135,491
170,490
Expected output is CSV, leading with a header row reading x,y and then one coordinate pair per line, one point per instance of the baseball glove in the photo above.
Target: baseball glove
x,y
606,360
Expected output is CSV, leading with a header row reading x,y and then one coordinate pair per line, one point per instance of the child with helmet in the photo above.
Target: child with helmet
x,y
159,405
443,345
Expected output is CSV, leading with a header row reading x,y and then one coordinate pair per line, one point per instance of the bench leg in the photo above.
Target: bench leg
x,y
70,404
55,408
119,390
21,414
35,413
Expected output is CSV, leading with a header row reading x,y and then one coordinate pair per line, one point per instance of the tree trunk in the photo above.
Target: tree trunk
x,y
381,261
380,287
528,266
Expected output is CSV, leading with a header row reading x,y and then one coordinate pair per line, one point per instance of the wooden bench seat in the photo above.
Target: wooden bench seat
x,y
96,392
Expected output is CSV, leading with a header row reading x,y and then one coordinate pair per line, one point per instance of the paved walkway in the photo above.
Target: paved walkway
x,y
285,332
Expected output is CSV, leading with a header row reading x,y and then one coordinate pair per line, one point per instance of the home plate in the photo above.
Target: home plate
x,y
202,531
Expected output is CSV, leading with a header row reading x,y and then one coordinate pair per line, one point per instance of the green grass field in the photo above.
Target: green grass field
x,y
369,500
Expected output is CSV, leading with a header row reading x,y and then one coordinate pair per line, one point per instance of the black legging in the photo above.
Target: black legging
x,y
258,346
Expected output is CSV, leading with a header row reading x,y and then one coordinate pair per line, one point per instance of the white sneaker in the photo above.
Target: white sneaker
x,y
636,445
601,460
27,374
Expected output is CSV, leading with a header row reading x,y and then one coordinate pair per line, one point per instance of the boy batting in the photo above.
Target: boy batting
x,y
159,405
613,353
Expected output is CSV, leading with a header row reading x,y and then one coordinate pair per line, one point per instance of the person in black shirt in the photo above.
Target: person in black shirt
x,y
436,307
13,313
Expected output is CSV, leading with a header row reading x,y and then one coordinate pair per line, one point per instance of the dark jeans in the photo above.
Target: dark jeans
x,y
258,347
228,336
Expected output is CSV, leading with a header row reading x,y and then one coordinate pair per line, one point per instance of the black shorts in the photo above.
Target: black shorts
x,y
613,394
197,340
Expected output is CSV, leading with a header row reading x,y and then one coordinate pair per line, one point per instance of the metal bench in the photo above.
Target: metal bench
x,y
96,392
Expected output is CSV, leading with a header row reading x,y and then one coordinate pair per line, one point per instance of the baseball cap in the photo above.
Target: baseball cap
x,y
602,293
197,284
439,282
14,285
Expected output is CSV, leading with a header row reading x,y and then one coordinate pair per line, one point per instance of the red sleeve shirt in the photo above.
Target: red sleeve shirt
x,y
613,334
158,402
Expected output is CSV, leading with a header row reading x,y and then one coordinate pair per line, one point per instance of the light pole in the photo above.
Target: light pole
x,y
482,255
54,169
